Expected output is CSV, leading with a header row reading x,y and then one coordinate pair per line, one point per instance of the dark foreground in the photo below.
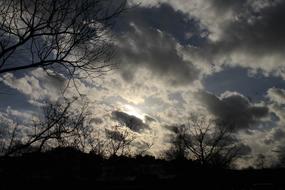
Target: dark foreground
x,y
65,169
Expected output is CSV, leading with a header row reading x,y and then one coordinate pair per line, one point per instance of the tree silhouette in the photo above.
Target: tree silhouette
x,y
8,137
68,123
178,141
280,151
59,127
209,142
260,161
59,36
119,141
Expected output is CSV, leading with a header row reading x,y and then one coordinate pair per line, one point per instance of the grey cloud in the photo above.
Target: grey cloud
x,y
96,120
129,121
177,97
258,32
35,84
115,135
252,38
184,28
8,126
244,150
222,5
151,38
268,141
158,102
149,119
156,51
246,33
278,135
233,109
281,155
5,126
251,26
276,98
276,95
226,141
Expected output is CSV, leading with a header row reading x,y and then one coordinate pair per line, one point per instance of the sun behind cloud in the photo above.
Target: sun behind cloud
x,y
134,111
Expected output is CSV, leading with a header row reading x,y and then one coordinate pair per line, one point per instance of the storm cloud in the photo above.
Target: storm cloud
x,y
258,31
156,51
129,121
250,36
246,33
151,44
181,26
234,109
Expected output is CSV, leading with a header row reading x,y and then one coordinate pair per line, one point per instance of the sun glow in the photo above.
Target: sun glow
x,y
131,110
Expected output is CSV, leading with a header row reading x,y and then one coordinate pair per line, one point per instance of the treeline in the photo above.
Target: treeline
x,y
69,123
69,167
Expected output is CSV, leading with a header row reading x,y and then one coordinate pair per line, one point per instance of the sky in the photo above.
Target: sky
x,y
223,59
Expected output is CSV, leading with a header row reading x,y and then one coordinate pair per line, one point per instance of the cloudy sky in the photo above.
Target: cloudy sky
x,y
175,58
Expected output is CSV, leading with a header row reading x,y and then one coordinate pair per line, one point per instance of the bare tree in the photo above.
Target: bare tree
x,y
280,153
144,147
8,137
98,144
178,141
62,125
119,141
260,161
59,36
206,141
59,125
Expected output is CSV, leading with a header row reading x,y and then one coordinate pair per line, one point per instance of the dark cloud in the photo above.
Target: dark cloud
x,y
281,155
150,38
277,136
114,135
223,6
156,51
226,141
177,98
129,121
181,26
149,119
279,92
276,95
96,120
4,130
254,30
244,150
233,109
234,79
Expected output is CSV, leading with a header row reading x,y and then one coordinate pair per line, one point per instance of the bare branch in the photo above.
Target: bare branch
x,y
68,37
